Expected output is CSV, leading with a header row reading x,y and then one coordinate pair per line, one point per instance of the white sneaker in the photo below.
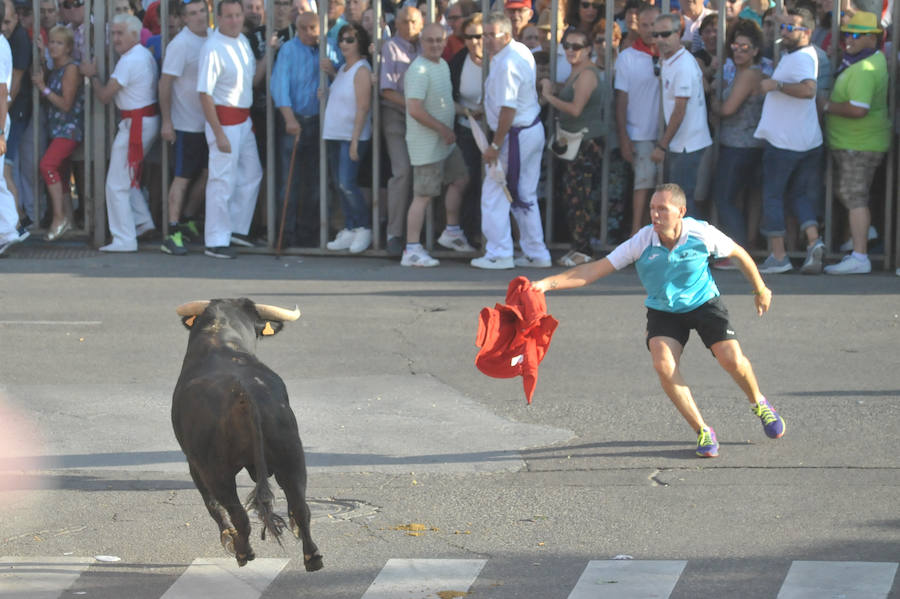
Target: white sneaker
x,y
418,257
342,241
118,246
362,239
455,241
850,266
815,254
847,246
493,263
525,261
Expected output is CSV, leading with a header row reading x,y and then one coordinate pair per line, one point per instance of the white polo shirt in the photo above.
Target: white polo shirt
x,y
634,76
135,73
182,61
787,122
682,78
227,66
511,83
5,65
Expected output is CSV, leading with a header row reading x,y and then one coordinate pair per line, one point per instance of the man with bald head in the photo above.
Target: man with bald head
x,y
295,88
397,54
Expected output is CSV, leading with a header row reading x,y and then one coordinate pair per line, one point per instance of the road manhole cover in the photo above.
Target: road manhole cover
x,y
337,509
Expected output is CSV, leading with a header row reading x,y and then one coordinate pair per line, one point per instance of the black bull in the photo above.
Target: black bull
x,y
230,411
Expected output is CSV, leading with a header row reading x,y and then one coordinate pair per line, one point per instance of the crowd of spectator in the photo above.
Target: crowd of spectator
x,y
450,130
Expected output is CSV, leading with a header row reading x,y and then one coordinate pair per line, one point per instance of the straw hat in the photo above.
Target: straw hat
x,y
862,22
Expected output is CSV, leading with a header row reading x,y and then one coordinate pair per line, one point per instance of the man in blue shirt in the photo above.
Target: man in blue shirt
x,y
671,256
295,87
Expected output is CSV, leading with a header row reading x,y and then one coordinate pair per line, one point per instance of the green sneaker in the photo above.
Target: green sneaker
x,y
174,245
707,444
189,230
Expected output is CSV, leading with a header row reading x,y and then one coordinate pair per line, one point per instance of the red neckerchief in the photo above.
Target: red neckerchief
x,y
640,46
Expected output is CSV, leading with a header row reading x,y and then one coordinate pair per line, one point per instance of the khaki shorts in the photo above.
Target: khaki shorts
x,y
428,179
644,169
855,173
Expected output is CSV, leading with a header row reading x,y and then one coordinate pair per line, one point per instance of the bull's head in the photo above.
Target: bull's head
x,y
270,320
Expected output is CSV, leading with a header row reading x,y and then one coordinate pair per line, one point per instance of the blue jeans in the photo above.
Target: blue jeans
x,y
682,169
792,176
304,184
735,170
343,173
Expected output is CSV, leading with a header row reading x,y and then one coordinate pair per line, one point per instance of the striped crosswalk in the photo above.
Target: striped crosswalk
x,y
53,577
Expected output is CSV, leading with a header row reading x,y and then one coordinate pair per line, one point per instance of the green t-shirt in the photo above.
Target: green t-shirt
x,y
865,84
430,82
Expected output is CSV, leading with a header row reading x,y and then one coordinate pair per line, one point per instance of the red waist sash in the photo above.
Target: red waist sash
x,y
135,139
231,115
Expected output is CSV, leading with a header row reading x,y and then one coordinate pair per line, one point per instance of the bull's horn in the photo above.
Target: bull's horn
x,y
192,308
276,313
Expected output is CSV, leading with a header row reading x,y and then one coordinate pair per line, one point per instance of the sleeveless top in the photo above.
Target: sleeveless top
x,y
737,130
340,110
592,116
67,125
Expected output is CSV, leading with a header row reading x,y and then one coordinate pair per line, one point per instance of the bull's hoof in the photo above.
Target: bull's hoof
x,y
227,540
243,558
313,563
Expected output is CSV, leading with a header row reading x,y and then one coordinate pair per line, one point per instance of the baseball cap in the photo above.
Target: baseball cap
x,y
514,4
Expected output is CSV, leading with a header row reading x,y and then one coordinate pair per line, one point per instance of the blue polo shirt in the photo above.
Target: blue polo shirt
x,y
295,78
678,280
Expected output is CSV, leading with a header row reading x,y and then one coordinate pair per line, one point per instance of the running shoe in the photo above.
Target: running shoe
x,y
707,445
418,257
815,254
772,265
772,423
174,245
225,252
455,241
190,231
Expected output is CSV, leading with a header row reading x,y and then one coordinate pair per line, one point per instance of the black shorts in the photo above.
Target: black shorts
x,y
709,320
190,154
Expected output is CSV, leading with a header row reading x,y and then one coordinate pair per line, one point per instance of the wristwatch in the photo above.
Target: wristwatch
x,y
779,85
495,146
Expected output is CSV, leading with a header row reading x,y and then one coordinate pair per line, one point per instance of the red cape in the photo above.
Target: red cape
x,y
515,337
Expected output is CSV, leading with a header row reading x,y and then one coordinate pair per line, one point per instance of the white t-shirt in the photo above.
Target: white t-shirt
x,y
469,89
692,27
511,83
634,76
682,78
787,122
341,108
135,73
227,65
429,82
182,60
5,64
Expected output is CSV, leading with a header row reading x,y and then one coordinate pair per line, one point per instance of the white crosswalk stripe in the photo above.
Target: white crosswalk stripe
x,y
424,578
847,580
223,579
52,577
39,578
627,579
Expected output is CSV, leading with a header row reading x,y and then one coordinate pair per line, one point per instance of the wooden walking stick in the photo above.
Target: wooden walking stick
x,y
287,194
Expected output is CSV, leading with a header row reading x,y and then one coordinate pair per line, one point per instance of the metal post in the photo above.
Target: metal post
x,y
164,146
36,111
271,176
610,119
429,209
98,111
666,6
776,51
891,242
323,163
717,94
376,129
833,56
548,156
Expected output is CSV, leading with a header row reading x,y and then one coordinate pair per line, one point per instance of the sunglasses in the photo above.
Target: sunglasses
x,y
71,5
789,28
665,34
348,40
594,5
472,36
742,47
573,46
855,36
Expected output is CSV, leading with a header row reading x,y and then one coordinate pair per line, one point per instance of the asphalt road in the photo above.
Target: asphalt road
x,y
400,429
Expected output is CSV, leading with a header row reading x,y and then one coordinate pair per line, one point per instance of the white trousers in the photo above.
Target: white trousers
x,y
233,184
126,207
9,216
495,208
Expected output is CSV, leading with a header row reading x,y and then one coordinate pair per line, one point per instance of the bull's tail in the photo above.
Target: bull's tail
x,y
261,497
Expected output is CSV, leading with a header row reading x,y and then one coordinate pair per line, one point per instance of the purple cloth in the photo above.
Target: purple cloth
x,y
514,165
396,56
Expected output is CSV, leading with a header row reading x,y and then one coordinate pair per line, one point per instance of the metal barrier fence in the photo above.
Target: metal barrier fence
x,y
100,127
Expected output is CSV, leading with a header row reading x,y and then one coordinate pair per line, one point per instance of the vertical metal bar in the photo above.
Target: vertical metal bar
x,y
164,146
891,242
429,208
101,122
548,156
271,175
776,51
610,120
718,91
87,138
323,163
36,111
666,6
829,166
376,128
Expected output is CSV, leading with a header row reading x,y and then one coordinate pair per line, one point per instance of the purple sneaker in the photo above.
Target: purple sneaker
x,y
772,423
707,445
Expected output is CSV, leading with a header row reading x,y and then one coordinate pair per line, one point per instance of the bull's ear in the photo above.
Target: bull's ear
x,y
267,328
188,321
